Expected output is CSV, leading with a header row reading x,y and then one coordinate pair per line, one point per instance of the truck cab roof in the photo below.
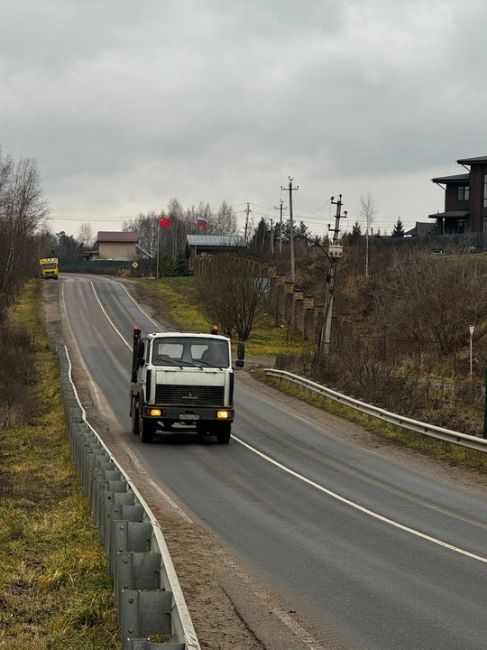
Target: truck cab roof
x,y
195,335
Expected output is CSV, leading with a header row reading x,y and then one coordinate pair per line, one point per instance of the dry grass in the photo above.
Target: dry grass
x,y
55,590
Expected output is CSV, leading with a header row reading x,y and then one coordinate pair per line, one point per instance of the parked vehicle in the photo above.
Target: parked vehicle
x,y
181,378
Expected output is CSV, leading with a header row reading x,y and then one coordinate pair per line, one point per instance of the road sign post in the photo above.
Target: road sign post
x,y
472,329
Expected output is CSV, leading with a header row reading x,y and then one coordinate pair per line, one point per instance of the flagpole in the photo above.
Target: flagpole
x,y
157,249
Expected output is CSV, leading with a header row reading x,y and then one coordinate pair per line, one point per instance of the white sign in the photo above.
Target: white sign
x,y
471,328
335,250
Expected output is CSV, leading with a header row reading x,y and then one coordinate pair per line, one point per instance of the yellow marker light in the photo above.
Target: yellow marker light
x,y
155,412
222,415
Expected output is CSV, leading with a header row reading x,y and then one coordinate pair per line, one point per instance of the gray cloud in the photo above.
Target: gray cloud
x,y
126,105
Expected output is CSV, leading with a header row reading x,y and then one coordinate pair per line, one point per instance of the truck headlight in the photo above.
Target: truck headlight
x,y
155,412
222,415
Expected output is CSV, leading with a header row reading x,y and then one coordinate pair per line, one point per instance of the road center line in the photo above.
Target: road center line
x,y
360,508
108,317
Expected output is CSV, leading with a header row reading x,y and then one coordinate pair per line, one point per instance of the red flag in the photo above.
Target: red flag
x,y
201,222
165,222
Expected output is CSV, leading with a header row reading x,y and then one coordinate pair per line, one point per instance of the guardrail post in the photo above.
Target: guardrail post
x,y
129,536
144,613
111,483
113,504
140,571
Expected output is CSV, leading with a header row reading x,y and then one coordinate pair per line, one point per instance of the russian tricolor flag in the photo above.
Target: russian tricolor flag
x,y
201,222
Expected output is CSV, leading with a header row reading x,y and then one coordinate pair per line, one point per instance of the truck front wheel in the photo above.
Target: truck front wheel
x,y
147,429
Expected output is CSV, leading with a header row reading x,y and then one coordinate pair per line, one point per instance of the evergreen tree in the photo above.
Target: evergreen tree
x,y
181,264
354,236
398,229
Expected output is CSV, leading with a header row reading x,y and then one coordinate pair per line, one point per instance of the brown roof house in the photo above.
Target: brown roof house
x,y
117,245
465,208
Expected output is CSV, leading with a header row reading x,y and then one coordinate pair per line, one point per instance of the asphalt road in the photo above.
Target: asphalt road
x,y
390,557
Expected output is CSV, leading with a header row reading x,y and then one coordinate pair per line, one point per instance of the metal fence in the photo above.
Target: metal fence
x,y
146,588
431,430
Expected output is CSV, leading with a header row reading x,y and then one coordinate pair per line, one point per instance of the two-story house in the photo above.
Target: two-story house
x,y
465,199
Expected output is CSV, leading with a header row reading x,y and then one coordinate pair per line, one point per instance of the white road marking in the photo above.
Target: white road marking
x,y
295,627
108,317
138,306
360,508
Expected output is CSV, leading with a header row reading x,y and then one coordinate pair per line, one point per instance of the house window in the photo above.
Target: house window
x,y
485,190
463,192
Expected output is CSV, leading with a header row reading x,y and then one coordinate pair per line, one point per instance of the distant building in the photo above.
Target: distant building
x,y
201,245
117,245
465,208
421,230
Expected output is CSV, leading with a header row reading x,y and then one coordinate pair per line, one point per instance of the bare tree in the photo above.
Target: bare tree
x,y
432,301
224,222
233,289
85,235
22,209
147,225
367,210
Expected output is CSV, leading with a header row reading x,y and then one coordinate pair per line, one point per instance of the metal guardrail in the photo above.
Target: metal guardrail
x,y
146,588
431,430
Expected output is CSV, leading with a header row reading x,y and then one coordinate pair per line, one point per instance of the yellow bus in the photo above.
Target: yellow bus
x,y
49,267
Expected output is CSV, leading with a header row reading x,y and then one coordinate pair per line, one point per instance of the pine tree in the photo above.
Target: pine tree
x,y
398,229
356,234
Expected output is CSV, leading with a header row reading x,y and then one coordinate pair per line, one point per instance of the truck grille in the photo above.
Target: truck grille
x,y
189,395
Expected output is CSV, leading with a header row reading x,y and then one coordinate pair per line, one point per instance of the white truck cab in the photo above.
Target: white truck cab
x,y
181,377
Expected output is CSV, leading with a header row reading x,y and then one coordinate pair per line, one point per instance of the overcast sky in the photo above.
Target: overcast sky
x,y
128,104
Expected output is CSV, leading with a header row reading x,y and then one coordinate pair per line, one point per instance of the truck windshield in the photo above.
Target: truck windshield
x,y
180,351
49,265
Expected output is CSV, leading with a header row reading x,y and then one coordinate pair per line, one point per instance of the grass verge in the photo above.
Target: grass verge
x,y
436,448
55,589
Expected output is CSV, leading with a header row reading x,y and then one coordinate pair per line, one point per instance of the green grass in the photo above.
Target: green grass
x,y
55,589
176,299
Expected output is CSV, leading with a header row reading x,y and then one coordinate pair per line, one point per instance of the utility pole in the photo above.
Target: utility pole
x,y
247,212
272,237
264,231
280,208
335,252
291,189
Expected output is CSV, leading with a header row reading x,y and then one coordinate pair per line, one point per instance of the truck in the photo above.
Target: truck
x,y
181,379
49,267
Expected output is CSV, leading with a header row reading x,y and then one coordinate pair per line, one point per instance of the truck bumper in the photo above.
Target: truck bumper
x,y
193,414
